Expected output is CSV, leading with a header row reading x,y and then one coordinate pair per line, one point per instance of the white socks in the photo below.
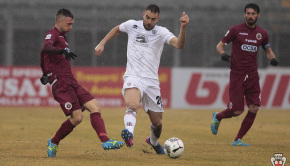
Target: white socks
x,y
130,120
153,138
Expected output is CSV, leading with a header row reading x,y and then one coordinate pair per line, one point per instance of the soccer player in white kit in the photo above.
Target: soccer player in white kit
x,y
145,44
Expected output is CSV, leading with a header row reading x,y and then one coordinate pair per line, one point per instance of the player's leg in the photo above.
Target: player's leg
x,y
246,125
253,100
98,124
252,96
236,104
156,129
156,126
67,98
65,129
152,104
132,97
97,121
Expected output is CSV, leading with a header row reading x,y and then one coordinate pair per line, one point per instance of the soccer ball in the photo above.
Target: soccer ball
x,y
173,147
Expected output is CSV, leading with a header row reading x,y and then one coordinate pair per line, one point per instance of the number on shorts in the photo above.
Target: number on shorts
x,y
159,101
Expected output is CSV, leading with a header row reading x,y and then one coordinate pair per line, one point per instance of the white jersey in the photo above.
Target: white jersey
x,y
144,48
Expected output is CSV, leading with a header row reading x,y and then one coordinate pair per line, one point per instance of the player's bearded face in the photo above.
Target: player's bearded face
x,y
150,19
251,16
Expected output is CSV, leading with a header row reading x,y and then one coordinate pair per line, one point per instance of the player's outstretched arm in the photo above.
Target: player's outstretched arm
x,y
180,41
101,46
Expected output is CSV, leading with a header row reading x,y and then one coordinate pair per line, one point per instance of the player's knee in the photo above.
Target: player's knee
x,y
237,113
77,119
133,105
254,108
94,107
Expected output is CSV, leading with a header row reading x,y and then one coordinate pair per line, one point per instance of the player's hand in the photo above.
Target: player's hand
x,y
225,57
274,62
99,49
184,19
44,79
68,54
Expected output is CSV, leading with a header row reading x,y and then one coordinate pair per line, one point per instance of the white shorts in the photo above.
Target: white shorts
x,y
150,92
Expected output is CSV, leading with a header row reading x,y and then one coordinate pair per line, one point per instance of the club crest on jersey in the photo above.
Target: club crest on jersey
x,y
68,105
154,32
259,36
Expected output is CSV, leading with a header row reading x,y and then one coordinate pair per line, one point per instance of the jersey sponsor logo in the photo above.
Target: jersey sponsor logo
x,y
68,105
259,36
249,48
251,41
243,34
141,38
227,32
48,36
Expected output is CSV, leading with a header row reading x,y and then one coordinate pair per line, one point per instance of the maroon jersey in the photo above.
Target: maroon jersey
x,y
52,62
245,44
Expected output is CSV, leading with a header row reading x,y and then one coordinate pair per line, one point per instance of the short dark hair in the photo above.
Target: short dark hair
x,y
153,8
63,12
252,6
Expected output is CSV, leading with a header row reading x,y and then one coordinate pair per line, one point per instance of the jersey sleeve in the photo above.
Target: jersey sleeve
x,y
168,35
48,43
124,27
49,49
229,36
265,43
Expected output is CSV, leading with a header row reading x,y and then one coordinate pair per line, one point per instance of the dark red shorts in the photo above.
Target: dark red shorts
x,y
70,95
244,86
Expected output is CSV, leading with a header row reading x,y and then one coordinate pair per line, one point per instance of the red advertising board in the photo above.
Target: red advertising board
x,y
20,86
209,88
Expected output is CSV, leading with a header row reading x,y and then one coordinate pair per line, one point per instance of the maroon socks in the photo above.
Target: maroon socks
x,y
99,126
224,114
66,128
246,125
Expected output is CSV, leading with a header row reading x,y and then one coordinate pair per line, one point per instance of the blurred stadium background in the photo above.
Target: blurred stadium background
x,y
24,24
194,77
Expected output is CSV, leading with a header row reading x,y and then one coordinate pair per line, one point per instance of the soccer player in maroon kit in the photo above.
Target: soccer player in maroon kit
x,y
244,78
56,68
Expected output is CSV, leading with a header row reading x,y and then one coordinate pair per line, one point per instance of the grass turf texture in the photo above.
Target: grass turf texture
x,y
24,133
